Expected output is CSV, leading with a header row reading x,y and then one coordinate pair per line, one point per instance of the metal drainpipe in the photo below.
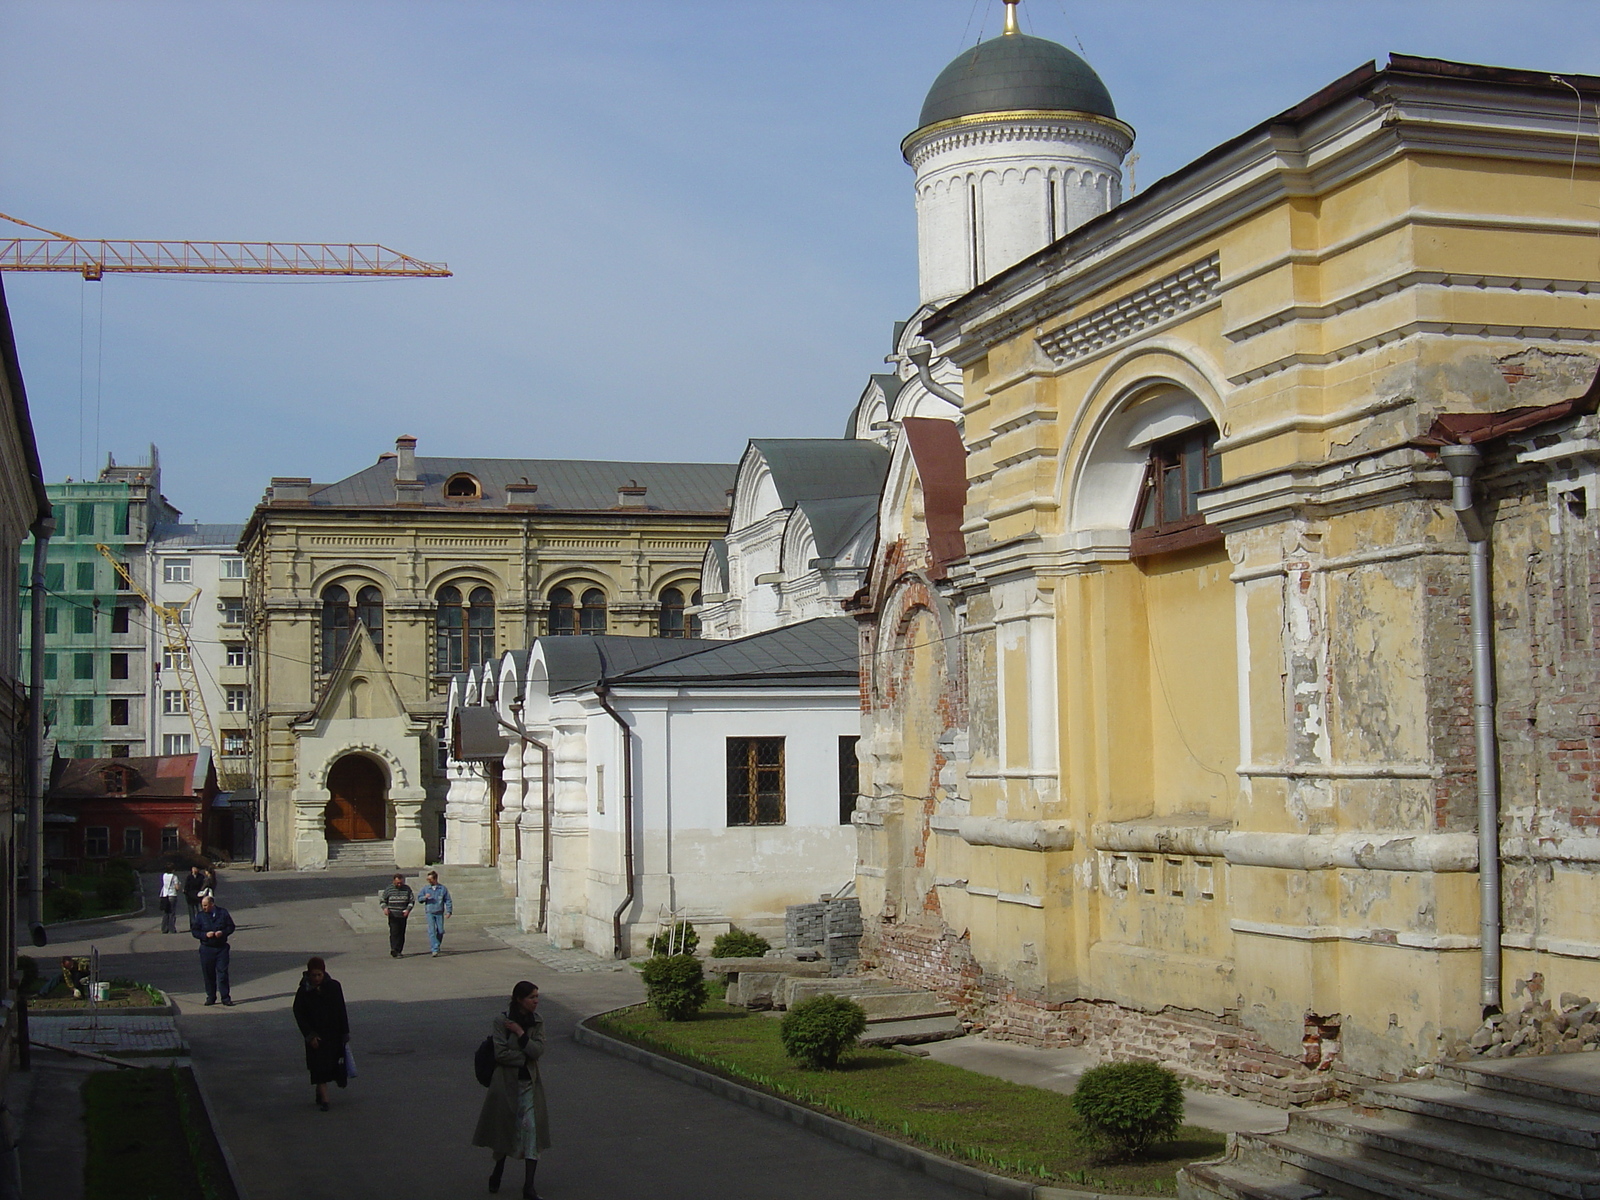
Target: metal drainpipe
x,y
1463,462
42,530
920,355
627,820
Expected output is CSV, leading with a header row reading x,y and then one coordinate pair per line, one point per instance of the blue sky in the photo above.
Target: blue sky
x,y
674,225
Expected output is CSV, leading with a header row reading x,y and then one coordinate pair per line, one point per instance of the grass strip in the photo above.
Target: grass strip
x,y
148,1137
1003,1127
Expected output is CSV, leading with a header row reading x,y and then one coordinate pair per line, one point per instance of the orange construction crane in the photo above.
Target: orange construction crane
x,y
93,259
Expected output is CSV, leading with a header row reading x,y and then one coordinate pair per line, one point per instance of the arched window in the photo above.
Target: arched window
x,y
562,618
480,625
1168,515
693,623
448,643
336,618
671,624
462,487
592,618
369,611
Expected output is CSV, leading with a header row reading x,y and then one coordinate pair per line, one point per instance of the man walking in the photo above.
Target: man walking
x,y
171,889
435,901
194,883
212,928
397,900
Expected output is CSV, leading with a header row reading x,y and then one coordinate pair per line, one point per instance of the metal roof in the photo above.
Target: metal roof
x,y
823,468
563,484
577,662
836,522
822,652
1011,73
196,534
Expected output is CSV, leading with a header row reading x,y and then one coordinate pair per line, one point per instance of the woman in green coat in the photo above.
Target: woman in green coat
x,y
513,1122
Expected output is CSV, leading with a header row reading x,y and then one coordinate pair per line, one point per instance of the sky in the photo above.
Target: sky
x,y
673,225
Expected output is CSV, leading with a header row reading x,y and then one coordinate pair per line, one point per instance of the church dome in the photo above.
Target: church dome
x,y
1011,73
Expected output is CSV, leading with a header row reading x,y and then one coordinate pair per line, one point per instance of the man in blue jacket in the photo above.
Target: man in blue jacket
x,y
435,901
212,927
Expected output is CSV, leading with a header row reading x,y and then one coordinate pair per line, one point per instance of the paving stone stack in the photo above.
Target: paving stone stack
x,y
805,925
1525,1129
833,926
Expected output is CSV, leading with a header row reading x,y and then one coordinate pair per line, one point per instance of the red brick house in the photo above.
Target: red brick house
x,y
134,808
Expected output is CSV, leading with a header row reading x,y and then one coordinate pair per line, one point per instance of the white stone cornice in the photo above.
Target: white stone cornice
x,y
1153,305
934,139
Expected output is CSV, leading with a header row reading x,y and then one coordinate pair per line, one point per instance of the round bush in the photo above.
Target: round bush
x,y
675,985
816,1031
681,940
63,904
1130,1106
736,943
113,892
119,868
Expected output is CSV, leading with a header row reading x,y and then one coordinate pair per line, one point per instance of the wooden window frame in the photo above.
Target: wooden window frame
x,y
463,477
745,793
561,612
671,620
590,625
97,841
1186,529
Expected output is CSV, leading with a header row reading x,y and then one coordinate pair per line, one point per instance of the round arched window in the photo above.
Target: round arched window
x,y
592,617
562,618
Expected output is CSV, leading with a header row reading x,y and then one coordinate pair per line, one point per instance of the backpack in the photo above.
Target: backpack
x,y
483,1061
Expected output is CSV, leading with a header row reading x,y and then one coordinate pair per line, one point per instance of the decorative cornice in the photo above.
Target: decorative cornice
x,y
1139,311
919,145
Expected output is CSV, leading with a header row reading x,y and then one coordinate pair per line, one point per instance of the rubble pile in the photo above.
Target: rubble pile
x,y
1569,1026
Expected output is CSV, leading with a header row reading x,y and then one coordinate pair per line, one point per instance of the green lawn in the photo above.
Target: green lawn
x,y
1003,1127
149,1139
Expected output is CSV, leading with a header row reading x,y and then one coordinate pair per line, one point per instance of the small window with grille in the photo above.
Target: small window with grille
x,y
755,781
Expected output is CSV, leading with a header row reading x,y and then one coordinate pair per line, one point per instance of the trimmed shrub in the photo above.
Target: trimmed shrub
x,y
1130,1106
63,904
736,943
816,1031
675,985
119,868
682,939
113,892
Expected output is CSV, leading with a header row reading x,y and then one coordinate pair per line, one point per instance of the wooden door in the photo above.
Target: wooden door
x,y
356,804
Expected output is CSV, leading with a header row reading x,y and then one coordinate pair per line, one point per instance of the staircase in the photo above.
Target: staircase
x,y
1515,1129
477,896
370,856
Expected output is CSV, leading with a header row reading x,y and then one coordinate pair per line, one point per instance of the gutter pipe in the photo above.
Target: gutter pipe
x,y
920,355
546,798
602,693
1463,462
42,530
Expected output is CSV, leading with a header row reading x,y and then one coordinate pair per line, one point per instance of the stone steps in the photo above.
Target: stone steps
x,y
478,896
361,854
1524,1129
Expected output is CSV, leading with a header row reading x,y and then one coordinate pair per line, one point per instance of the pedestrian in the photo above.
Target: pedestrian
x,y
397,900
171,889
513,1122
211,880
212,928
320,1014
435,901
194,883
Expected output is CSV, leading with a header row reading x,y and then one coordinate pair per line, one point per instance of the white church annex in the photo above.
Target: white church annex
x,y
614,783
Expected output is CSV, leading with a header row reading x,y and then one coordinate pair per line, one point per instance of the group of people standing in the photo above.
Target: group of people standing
x,y
200,881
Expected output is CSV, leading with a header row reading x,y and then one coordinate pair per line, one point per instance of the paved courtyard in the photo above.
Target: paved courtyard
x,y
402,1128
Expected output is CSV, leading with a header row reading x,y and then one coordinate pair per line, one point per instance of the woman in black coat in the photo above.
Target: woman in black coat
x,y
319,1011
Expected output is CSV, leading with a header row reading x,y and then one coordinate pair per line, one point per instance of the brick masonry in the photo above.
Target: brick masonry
x,y
1207,1050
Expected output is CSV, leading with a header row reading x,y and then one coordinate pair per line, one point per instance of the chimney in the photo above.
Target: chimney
x,y
405,467
290,490
520,495
631,495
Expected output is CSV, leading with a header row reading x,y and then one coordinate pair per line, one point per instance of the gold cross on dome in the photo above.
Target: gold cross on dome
x,y
1011,16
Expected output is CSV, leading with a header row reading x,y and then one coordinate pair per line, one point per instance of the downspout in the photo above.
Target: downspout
x,y
1463,462
920,355
627,820
43,528
546,797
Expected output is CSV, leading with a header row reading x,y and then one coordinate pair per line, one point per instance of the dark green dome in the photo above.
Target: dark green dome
x,y
1015,72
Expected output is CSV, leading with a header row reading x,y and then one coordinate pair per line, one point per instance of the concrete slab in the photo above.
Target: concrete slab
x,y
1059,1070
913,1032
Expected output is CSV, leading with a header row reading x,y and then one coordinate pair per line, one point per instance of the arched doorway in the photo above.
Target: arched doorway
x,y
357,802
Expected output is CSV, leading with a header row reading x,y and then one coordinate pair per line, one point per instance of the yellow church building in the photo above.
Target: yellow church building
x,y
1243,714
369,594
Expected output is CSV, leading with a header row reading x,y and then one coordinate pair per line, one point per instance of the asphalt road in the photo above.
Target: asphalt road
x,y
402,1129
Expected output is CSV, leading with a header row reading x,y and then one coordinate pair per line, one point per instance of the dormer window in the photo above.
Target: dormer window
x,y
462,487
1168,515
116,780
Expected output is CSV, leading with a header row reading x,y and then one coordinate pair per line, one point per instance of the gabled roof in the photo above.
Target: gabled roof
x,y
823,468
823,652
564,485
167,777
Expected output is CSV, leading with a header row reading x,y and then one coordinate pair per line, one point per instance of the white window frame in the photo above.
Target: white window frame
x,y
238,654
232,568
176,743
175,702
177,570
237,699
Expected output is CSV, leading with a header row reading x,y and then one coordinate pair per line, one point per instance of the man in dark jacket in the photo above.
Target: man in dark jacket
x,y
212,928
193,884
397,900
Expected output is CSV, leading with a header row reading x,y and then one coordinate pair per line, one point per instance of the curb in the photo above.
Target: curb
x,y
121,916
234,1174
911,1158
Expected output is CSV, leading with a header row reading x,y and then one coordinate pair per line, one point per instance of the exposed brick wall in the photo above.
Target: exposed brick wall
x,y
1204,1049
